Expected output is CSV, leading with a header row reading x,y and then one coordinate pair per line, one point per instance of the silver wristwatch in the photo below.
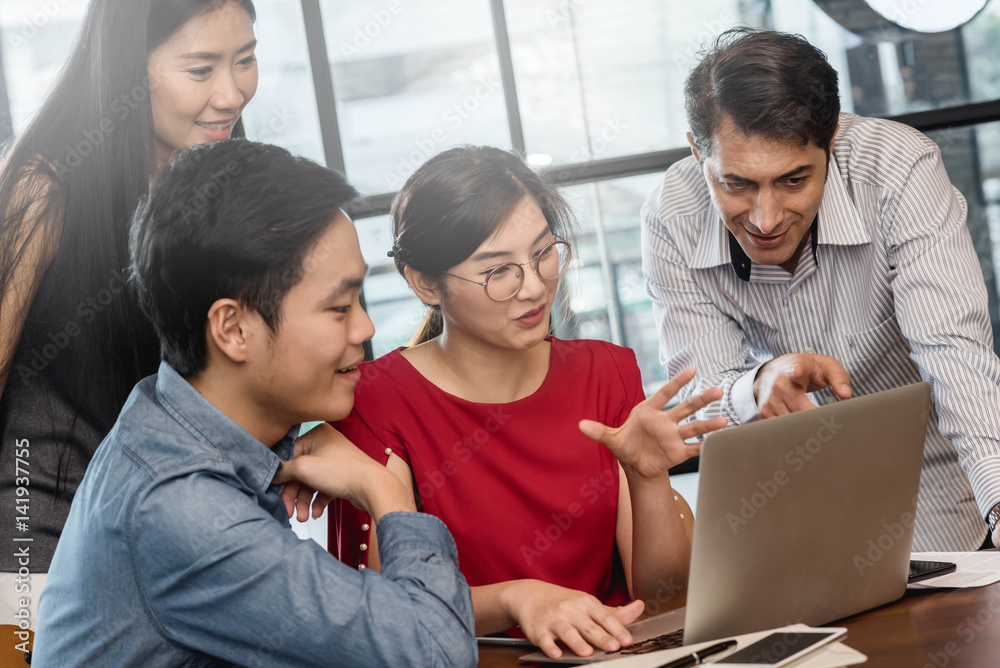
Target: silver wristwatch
x,y
993,517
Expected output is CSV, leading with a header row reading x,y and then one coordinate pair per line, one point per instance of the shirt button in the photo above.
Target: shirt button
x,y
363,546
810,351
795,292
361,567
388,451
365,527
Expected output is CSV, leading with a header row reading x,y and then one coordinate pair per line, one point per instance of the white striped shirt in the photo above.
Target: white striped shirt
x,y
896,295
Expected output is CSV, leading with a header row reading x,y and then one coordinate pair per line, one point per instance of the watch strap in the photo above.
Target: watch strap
x,y
993,517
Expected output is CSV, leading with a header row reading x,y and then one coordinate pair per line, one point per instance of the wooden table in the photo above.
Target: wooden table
x,y
945,628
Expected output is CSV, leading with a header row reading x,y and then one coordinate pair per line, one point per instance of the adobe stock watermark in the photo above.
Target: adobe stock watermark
x,y
47,10
487,85
87,311
878,547
74,154
21,543
365,34
611,130
696,42
275,640
778,649
563,12
968,629
463,450
797,459
217,181
666,593
545,538
896,15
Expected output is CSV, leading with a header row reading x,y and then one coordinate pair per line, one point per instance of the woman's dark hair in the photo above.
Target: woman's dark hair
x,y
457,200
769,84
233,219
76,174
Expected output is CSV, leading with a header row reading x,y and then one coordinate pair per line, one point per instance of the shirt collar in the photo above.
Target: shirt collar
x,y
255,463
842,225
743,265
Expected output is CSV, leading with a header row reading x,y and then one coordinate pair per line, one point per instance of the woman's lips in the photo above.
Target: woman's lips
x,y
532,318
217,131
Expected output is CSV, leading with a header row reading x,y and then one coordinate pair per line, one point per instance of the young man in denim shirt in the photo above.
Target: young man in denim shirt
x,y
178,551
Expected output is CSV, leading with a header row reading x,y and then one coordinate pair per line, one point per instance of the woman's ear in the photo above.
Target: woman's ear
x,y
227,329
423,286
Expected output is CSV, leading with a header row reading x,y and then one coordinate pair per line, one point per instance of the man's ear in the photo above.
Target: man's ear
x,y
227,329
694,149
426,289
835,131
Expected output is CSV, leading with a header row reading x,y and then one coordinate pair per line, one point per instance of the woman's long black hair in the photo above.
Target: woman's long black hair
x,y
84,161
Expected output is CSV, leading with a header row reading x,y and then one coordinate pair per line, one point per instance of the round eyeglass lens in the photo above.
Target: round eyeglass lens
x,y
550,263
553,260
503,282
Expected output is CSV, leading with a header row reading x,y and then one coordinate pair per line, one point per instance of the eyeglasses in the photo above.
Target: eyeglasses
x,y
504,281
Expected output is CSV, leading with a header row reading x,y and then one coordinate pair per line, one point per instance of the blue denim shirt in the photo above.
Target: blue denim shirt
x,y
178,552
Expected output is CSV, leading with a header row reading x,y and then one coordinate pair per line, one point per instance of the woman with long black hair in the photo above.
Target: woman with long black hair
x,y
145,79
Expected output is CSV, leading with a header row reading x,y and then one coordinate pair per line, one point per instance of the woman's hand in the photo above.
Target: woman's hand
x,y
548,613
324,461
652,441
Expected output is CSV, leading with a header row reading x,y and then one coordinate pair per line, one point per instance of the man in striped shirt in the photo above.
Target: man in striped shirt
x,y
801,255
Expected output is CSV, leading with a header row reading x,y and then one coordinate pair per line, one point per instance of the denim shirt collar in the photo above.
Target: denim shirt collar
x,y
255,463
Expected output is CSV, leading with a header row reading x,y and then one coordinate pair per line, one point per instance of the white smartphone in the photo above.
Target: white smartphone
x,y
781,648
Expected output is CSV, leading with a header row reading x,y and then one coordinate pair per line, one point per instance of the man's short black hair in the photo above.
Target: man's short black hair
x,y
231,219
769,84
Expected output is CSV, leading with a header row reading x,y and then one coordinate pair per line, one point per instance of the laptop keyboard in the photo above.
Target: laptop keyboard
x,y
666,641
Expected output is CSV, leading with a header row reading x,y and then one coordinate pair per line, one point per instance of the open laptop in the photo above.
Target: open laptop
x,y
802,518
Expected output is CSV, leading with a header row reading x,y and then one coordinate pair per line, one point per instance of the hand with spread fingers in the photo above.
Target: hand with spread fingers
x,y
652,440
782,384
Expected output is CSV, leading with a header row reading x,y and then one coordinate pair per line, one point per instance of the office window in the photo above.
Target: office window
x,y
392,306
599,80
597,83
606,293
411,78
972,157
283,111
895,71
36,39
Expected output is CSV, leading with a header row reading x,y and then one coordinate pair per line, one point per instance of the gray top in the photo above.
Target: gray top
x,y
79,356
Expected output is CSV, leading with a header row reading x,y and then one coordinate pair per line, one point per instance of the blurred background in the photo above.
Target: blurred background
x,y
589,90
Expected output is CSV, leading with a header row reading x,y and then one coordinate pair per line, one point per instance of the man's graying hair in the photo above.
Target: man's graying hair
x,y
769,84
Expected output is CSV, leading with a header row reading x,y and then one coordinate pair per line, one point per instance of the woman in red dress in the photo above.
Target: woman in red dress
x,y
542,455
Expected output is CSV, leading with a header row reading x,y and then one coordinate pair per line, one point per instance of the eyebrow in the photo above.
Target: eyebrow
x,y
489,255
787,175
206,55
346,285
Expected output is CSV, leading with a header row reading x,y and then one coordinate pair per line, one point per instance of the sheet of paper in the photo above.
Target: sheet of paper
x,y
973,569
834,655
